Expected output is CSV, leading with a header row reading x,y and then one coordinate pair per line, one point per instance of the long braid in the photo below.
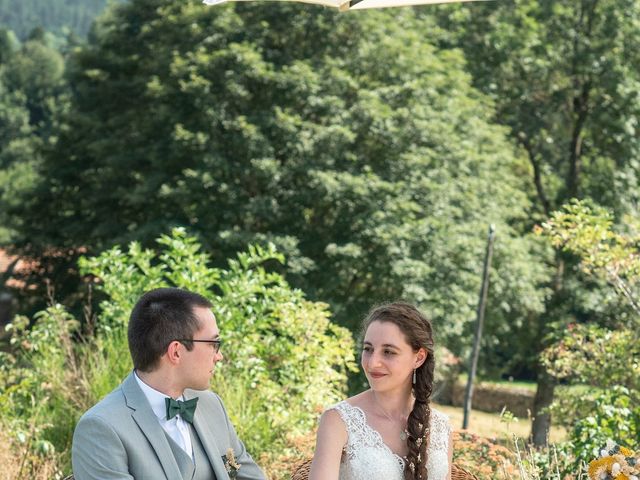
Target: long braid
x,y
418,332
419,422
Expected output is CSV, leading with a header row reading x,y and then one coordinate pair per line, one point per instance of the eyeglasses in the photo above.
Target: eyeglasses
x,y
214,343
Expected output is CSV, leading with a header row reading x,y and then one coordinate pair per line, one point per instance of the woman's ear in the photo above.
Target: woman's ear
x,y
421,357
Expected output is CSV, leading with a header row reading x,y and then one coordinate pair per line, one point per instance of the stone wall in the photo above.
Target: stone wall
x,y
493,398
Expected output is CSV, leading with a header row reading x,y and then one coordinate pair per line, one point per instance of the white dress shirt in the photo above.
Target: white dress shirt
x,y
177,427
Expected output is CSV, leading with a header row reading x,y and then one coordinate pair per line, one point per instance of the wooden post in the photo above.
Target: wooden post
x,y
482,302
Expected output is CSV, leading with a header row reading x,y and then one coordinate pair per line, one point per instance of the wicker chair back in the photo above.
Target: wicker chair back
x,y
301,472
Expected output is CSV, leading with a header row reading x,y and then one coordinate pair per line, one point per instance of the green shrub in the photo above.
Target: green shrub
x,y
592,355
39,390
606,403
614,415
284,359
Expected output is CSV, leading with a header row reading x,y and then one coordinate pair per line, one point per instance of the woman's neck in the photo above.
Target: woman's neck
x,y
394,403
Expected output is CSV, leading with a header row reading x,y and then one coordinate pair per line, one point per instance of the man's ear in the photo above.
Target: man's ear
x,y
174,352
421,357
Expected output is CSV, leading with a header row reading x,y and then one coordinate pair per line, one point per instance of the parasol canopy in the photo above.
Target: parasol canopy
x,y
344,5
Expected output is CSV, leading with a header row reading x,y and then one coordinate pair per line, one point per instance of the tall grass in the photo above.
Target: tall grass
x,y
18,461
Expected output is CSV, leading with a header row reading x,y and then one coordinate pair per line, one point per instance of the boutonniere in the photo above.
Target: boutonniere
x,y
230,463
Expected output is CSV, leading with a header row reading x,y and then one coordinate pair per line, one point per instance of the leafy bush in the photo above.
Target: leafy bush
x,y
607,406
614,415
604,360
591,355
284,359
39,392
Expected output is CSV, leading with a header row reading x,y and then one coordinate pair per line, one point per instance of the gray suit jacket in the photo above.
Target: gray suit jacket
x,y
121,438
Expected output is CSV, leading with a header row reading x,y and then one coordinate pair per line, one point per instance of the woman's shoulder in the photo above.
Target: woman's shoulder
x,y
357,402
435,413
332,428
350,412
440,421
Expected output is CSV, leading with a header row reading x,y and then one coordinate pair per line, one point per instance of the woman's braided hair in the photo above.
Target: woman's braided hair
x,y
418,332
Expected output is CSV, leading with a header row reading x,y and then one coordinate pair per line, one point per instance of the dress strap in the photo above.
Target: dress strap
x,y
361,434
440,431
353,418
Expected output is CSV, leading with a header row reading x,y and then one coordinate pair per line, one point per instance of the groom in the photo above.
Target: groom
x,y
162,422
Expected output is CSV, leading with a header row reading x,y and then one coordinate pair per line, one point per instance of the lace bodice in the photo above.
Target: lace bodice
x,y
367,457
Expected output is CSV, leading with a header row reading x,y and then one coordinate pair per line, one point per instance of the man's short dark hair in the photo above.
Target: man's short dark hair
x,y
160,317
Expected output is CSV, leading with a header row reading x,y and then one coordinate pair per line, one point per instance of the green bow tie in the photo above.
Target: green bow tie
x,y
185,409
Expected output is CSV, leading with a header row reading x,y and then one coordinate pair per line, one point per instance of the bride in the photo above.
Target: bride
x,y
390,431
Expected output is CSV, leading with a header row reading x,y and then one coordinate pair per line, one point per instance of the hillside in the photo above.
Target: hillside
x,y
22,16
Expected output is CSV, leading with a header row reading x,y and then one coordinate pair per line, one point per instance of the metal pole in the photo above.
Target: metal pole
x,y
482,302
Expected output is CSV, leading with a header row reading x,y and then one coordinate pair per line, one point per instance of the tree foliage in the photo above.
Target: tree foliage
x,y
603,357
588,231
349,141
32,92
564,78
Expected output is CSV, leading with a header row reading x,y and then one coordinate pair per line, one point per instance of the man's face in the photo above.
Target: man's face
x,y
199,363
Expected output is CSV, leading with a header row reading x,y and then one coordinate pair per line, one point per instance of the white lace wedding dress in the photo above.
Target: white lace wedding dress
x,y
367,457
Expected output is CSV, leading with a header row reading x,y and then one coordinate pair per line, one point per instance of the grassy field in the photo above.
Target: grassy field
x,y
491,425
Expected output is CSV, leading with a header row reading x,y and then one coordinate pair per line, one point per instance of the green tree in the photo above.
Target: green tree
x,y
17,154
17,145
565,80
605,249
32,94
36,71
349,141
602,357
9,44
564,77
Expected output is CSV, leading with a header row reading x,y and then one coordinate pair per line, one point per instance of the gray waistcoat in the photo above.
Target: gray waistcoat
x,y
197,469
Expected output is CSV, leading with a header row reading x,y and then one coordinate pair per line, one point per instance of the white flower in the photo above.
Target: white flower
x,y
633,477
615,469
610,446
604,453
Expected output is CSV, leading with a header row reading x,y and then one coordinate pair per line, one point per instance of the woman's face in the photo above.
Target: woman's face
x,y
387,359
